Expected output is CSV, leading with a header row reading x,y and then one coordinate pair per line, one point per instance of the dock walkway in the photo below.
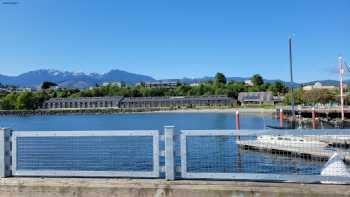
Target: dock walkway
x,y
309,152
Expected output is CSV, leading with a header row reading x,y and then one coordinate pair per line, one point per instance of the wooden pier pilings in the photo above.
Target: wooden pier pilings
x,y
320,112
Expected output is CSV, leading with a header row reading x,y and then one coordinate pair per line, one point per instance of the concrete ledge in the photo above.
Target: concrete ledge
x,y
78,187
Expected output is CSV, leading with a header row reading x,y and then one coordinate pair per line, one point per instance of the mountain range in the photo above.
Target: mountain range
x,y
82,80
71,79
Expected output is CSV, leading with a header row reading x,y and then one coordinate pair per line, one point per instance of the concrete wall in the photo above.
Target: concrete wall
x,y
67,187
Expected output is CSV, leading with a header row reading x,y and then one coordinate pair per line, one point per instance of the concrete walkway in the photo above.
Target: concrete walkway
x,y
87,187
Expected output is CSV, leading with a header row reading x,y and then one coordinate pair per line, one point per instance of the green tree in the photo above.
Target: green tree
x,y
232,94
30,101
319,96
40,98
155,92
25,100
298,96
47,85
9,102
257,80
220,79
142,83
136,92
264,87
278,88
183,90
220,91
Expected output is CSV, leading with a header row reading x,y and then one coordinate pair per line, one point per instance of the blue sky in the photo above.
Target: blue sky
x,y
175,39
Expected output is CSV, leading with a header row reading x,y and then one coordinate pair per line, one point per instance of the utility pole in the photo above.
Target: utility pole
x,y
291,79
341,74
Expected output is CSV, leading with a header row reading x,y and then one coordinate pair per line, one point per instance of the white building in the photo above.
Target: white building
x,y
25,89
318,86
161,84
194,84
248,82
114,83
4,90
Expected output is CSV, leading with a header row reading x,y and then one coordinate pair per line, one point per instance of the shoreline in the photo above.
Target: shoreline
x,y
230,110
98,111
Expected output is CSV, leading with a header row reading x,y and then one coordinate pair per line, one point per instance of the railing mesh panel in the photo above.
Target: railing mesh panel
x,y
209,153
220,154
85,153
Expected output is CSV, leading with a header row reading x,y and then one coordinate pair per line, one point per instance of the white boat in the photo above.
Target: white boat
x,y
287,140
335,166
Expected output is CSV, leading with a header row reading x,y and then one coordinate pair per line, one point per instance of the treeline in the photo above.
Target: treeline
x,y
315,96
218,86
23,100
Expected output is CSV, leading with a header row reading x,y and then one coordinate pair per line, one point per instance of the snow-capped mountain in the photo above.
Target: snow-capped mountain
x,y
71,79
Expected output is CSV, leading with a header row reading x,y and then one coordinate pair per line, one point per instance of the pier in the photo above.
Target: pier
x,y
306,112
315,117
313,152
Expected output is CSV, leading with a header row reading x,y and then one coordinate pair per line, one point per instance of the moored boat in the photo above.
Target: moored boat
x,y
335,166
293,141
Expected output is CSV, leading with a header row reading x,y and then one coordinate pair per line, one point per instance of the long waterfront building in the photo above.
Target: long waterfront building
x,y
137,102
83,102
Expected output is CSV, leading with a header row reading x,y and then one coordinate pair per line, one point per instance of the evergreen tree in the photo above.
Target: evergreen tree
x,y
257,80
220,79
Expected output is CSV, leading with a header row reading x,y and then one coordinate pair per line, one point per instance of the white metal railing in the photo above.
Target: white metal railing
x,y
88,154
203,154
186,148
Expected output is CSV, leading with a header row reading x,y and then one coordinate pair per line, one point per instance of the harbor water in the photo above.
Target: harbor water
x,y
205,154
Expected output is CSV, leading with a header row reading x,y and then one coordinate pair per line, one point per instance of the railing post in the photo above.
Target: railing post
x,y
5,152
169,152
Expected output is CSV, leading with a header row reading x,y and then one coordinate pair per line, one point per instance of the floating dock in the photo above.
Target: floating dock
x,y
312,152
336,141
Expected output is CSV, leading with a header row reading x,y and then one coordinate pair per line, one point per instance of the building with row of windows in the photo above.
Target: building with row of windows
x,y
158,102
256,98
84,102
161,84
137,102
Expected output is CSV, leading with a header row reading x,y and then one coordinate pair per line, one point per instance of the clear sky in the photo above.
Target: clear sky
x,y
177,38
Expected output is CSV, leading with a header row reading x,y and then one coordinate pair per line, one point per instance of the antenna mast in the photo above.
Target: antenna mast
x,y
341,74
291,78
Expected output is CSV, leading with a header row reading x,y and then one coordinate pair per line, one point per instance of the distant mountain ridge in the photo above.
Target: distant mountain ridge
x,y
72,79
82,80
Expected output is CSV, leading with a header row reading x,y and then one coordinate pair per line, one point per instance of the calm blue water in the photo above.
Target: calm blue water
x,y
136,121
205,154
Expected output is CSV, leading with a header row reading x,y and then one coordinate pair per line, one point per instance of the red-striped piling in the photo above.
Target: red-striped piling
x,y
237,120
313,118
238,137
281,118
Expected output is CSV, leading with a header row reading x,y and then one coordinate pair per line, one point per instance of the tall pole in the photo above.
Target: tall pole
x,y
341,73
291,79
